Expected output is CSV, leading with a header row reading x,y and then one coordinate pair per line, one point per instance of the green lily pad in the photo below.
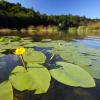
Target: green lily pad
x,y
40,77
34,56
20,79
30,45
6,91
31,79
72,75
94,71
18,69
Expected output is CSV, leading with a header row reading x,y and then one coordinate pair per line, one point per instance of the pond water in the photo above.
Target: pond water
x,y
92,42
59,91
94,93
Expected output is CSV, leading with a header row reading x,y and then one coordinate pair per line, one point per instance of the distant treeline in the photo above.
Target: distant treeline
x,y
15,16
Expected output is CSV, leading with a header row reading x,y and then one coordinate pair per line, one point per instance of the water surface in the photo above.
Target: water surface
x,y
57,91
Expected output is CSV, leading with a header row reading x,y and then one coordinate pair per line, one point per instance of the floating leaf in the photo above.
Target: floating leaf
x,y
94,71
29,44
31,79
40,77
72,75
20,79
94,68
18,69
34,56
6,91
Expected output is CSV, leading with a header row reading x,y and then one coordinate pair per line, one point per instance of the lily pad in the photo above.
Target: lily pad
x,y
41,78
20,79
34,56
6,91
72,75
31,79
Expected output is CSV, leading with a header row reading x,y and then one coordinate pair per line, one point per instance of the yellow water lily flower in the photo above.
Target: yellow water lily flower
x,y
20,51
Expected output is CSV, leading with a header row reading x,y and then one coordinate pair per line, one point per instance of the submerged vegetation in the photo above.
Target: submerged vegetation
x,y
68,63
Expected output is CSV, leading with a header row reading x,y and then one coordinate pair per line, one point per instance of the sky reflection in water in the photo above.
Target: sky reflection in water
x,y
92,42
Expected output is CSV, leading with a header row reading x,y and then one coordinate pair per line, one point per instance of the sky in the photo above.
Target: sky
x,y
88,8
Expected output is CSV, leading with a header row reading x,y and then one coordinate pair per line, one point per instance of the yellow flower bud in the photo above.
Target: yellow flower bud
x,y
20,51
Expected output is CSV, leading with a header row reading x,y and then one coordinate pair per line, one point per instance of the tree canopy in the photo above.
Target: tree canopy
x,y
15,16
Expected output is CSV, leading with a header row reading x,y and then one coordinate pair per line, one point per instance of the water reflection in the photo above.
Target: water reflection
x,y
58,91
7,63
92,42
63,36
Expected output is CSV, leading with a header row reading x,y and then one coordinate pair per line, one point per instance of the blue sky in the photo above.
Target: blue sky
x,y
88,8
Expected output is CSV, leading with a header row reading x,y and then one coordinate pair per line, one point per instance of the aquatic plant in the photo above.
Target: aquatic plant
x,y
69,63
36,75
20,51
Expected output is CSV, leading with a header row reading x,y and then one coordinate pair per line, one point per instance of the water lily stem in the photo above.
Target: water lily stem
x,y
21,56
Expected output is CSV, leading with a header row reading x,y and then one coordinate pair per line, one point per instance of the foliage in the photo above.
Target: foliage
x,y
72,68
15,16
31,79
72,75
6,92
